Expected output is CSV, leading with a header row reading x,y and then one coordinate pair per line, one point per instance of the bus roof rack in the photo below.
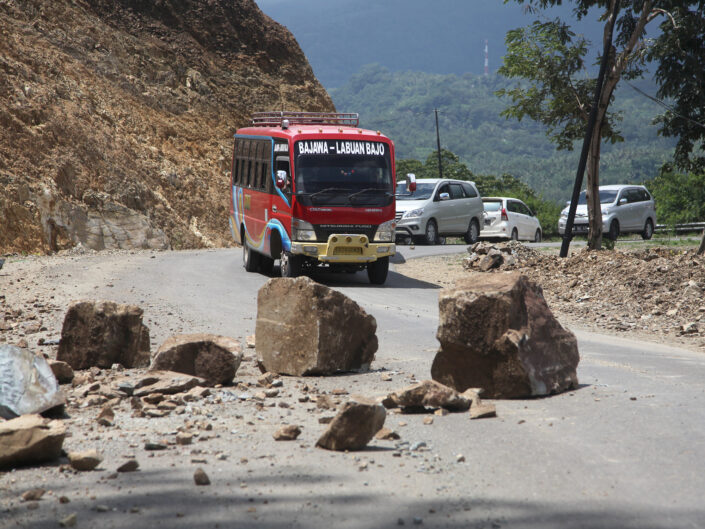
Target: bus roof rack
x,y
305,118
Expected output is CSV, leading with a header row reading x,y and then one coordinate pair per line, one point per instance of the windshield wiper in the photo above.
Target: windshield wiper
x,y
328,190
369,190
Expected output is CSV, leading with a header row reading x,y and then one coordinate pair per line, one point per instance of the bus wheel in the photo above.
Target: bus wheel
x,y
290,264
377,270
266,264
250,258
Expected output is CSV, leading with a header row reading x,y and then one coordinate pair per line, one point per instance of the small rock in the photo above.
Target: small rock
x,y
62,371
129,466
183,438
385,434
428,420
69,521
106,417
200,477
33,494
460,458
84,461
483,411
287,433
154,446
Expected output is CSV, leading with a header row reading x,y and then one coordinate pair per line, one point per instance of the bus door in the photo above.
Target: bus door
x,y
281,206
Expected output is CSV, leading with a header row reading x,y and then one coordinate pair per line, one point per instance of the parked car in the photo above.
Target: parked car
x,y
625,209
509,218
438,208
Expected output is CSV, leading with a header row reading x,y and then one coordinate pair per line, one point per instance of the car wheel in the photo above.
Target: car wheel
x,y
515,235
473,234
614,231
250,258
290,264
377,271
648,230
537,236
431,236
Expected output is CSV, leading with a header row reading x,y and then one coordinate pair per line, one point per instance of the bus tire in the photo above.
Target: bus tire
x,y
290,264
266,264
377,271
250,258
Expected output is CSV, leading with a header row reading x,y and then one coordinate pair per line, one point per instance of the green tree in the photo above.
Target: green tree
x,y
680,54
680,198
559,89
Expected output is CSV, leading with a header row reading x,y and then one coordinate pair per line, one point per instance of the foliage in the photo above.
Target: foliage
x,y
680,198
488,185
680,52
401,105
560,92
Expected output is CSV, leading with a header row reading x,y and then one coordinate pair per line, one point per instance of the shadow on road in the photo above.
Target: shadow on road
x,y
298,497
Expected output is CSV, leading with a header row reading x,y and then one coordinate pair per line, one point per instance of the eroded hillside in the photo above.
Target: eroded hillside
x,y
116,116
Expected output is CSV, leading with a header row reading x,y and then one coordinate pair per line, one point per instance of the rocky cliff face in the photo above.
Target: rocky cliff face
x,y
117,116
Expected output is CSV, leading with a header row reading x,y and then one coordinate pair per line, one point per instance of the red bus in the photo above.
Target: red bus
x,y
313,189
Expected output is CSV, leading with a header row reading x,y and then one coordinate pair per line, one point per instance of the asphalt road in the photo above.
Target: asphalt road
x,y
625,450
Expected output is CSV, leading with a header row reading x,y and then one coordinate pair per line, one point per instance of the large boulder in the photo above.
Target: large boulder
x,y
103,333
214,358
356,424
304,328
30,439
27,383
497,332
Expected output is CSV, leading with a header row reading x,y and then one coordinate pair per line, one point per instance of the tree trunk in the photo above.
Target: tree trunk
x,y
593,191
701,248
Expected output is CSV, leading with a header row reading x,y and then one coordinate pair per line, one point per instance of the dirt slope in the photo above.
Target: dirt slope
x,y
116,116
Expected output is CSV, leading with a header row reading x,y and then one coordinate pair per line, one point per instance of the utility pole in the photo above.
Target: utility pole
x,y
438,141
568,234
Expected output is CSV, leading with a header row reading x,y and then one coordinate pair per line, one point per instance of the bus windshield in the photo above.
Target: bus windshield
x,y
344,179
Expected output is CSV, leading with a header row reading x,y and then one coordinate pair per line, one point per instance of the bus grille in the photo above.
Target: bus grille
x,y
323,231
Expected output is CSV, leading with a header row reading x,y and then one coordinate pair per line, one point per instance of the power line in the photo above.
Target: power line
x,y
665,105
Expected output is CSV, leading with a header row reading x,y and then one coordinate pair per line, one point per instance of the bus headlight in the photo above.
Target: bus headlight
x,y
385,231
302,230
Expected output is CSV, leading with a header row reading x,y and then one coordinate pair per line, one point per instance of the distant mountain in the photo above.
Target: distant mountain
x,y
439,36
401,105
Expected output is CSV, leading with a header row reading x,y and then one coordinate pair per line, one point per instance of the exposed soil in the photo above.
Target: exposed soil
x,y
119,106
655,292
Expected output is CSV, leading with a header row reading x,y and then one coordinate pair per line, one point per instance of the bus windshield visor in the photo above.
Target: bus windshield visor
x,y
343,173
423,191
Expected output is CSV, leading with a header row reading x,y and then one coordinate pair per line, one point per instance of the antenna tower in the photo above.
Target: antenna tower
x,y
487,57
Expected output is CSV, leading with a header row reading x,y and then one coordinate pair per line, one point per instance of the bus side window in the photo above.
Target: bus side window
x,y
234,169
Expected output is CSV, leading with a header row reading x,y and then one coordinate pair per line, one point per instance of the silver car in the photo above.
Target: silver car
x,y
625,209
438,208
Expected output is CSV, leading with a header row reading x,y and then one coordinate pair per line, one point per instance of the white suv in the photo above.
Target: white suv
x,y
625,209
438,208
509,218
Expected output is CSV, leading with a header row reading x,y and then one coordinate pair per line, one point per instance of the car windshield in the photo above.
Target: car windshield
x,y
606,197
327,177
492,205
423,191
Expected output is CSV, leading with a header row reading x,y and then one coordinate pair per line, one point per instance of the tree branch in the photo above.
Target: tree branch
x,y
656,11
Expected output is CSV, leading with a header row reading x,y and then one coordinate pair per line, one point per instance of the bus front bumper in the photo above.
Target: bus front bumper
x,y
344,248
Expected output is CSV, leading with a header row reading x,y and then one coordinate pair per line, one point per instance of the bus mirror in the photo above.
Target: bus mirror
x,y
411,182
281,179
